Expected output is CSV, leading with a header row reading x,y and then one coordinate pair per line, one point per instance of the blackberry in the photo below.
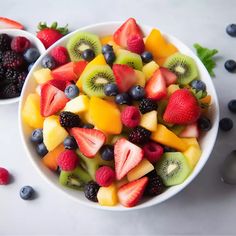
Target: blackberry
x,y
147,105
11,75
12,60
69,119
139,135
9,91
2,72
5,42
155,185
1,56
21,81
91,190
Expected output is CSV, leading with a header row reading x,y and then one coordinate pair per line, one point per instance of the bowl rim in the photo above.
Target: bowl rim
x,y
147,203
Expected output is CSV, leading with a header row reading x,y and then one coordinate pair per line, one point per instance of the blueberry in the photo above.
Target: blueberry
x,y
123,98
231,30
37,136
232,106
107,152
88,126
88,55
146,57
71,91
198,85
226,124
48,62
30,67
107,48
41,149
110,57
27,192
70,143
230,65
137,92
204,123
111,90
31,55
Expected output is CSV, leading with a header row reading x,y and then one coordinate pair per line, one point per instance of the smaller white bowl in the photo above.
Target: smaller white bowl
x,y
35,42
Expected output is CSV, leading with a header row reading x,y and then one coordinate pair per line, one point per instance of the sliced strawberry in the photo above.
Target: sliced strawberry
x,y
6,23
52,100
124,76
190,131
130,27
169,76
88,140
135,44
79,67
130,194
127,156
156,86
60,84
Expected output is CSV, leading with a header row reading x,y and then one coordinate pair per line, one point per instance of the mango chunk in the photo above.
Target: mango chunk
x,y
107,196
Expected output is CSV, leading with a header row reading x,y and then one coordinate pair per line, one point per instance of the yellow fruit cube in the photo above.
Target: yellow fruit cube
x,y
191,142
78,105
115,46
31,111
140,170
149,69
172,88
192,154
106,39
107,196
42,75
149,121
140,78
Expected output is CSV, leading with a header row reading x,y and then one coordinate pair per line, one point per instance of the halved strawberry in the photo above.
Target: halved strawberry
x,y
190,131
156,86
124,76
79,67
130,194
52,100
130,27
169,76
127,156
6,23
88,140
60,84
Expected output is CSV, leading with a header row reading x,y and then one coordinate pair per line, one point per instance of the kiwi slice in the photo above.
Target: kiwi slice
x,y
82,41
129,58
177,129
160,112
94,80
75,179
183,66
173,168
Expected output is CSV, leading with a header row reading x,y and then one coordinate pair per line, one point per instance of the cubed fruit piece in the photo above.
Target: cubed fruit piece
x,y
160,61
149,69
115,46
191,142
78,105
106,39
172,88
86,117
193,154
140,78
140,170
164,136
42,75
107,196
31,111
50,159
53,133
105,115
149,121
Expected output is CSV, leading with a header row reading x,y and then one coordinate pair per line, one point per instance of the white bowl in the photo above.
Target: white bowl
x,y
207,141
34,41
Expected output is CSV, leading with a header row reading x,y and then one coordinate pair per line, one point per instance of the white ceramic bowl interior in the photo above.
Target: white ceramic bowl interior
x,y
35,43
207,141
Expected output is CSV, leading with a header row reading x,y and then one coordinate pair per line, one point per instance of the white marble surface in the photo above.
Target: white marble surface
x,y
206,206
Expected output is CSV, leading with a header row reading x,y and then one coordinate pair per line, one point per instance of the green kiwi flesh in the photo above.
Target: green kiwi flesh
x,y
160,111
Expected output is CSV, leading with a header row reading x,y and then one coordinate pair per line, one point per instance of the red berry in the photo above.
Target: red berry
x,y
12,60
4,176
153,151
60,55
130,116
135,44
105,175
20,44
67,160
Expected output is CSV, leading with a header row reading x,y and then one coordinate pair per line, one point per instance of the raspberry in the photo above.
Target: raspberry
x,y
130,116
153,151
12,60
5,42
20,44
91,190
155,185
135,44
60,55
69,119
139,135
147,105
67,160
105,175
9,91
4,176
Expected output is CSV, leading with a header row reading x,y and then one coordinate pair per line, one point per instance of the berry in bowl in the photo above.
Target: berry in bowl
x,y
126,119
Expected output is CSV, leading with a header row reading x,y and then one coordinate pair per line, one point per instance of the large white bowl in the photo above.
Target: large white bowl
x,y
34,42
207,141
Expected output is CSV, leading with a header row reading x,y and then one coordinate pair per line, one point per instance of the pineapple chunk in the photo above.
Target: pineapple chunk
x,y
149,121
42,75
191,142
149,69
140,78
172,88
78,104
107,196
192,154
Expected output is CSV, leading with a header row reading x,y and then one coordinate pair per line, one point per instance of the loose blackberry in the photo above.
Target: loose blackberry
x,y
69,119
91,190
139,135
12,60
147,105
5,42
9,91
21,80
11,75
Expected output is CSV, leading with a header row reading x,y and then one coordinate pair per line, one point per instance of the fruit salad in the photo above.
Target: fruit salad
x,y
118,117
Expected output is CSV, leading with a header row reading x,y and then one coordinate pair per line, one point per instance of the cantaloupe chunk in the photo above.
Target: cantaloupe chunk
x,y
172,88
107,196
192,154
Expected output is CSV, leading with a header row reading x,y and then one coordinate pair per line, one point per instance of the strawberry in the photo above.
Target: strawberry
x,y
130,27
130,194
60,55
156,86
6,23
124,76
79,67
182,108
190,131
127,156
60,84
135,44
49,35
88,140
169,76
52,100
